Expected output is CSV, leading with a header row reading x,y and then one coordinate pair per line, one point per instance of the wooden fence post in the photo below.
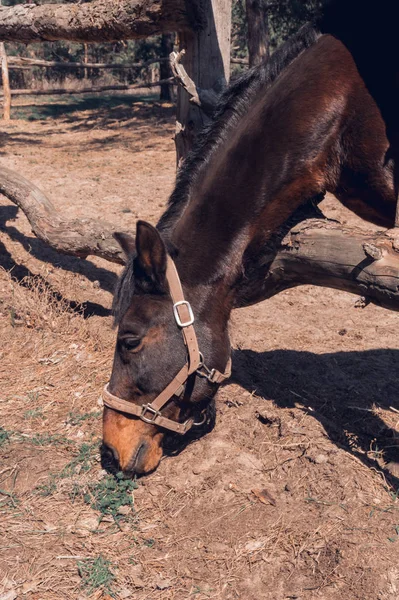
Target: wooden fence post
x,y
207,63
6,83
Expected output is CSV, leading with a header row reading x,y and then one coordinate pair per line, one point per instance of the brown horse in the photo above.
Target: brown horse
x,y
286,132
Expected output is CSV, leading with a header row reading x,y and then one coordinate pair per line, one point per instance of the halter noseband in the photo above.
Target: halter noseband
x,y
184,317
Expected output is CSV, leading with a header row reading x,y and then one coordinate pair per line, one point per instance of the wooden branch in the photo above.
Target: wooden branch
x,y
89,90
16,62
204,99
239,61
79,237
96,21
322,252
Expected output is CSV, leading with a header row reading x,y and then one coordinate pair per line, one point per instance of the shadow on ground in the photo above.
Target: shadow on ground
x,y
35,247
105,108
339,389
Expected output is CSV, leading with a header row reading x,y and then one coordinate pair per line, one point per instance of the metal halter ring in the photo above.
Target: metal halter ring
x,y
203,370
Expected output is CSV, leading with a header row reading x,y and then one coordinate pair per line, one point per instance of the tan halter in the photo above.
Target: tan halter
x,y
184,317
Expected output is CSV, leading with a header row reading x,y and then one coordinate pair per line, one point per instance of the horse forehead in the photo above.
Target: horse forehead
x,y
147,309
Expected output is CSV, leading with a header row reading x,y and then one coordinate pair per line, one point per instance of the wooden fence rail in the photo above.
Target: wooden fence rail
x,y
90,90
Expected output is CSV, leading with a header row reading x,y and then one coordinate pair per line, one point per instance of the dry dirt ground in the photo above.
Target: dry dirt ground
x,y
288,497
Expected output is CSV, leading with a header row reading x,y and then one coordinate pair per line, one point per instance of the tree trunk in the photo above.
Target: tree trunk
x,y
258,31
96,21
6,84
207,63
167,42
86,60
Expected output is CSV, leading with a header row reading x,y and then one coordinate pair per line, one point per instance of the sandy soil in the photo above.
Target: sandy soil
x,y
288,497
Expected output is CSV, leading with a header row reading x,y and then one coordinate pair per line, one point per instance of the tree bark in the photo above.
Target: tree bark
x,y
96,21
6,83
258,31
86,60
79,237
167,42
324,253
207,63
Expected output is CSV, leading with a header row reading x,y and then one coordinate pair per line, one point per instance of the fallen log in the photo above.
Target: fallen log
x,y
78,237
96,21
314,251
324,253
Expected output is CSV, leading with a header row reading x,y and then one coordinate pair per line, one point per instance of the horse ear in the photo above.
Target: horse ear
x,y
126,242
150,262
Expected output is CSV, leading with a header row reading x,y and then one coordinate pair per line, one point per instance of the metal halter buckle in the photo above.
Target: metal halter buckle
x,y
177,316
147,408
203,370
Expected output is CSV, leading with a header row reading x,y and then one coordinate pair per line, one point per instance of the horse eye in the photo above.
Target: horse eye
x,y
130,343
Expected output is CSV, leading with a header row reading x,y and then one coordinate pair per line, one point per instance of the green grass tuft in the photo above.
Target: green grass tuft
x,y
46,489
75,418
4,436
83,461
96,573
109,494
47,439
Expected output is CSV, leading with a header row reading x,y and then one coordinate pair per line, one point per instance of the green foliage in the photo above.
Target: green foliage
x,y
285,18
46,439
96,573
109,494
83,460
46,489
33,413
4,436
395,538
75,418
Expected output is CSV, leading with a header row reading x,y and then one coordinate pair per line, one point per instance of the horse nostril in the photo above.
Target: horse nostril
x,y
109,458
135,465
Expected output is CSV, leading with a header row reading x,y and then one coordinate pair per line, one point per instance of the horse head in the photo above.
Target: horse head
x,y
160,380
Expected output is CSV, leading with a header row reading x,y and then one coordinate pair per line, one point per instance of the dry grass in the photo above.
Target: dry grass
x,y
195,529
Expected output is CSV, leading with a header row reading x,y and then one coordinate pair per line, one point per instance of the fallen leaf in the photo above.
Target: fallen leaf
x,y
264,496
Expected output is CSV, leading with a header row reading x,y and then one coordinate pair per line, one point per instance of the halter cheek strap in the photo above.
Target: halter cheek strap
x,y
184,317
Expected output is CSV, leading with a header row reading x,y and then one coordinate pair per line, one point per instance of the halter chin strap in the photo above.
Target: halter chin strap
x,y
184,317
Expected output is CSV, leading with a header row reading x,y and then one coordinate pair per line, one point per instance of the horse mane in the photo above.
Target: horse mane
x,y
233,104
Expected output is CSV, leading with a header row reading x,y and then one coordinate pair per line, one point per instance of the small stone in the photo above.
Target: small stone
x,y
89,523
320,459
254,545
124,510
135,576
163,584
96,284
217,548
11,595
